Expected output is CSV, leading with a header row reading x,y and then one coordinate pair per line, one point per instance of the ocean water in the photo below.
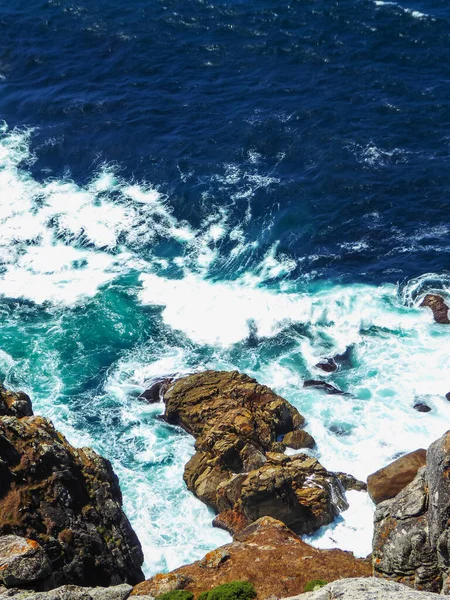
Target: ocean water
x,y
199,184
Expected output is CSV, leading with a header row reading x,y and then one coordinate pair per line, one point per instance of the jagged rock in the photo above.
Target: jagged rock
x,y
73,592
438,307
22,561
238,465
68,500
421,407
323,386
270,556
351,483
15,404
155,392
367,588
390,480
231,521
412,535
294,489
299,439
328,365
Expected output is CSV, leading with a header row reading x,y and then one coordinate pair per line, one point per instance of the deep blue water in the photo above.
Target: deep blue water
x,y
252,185
345,103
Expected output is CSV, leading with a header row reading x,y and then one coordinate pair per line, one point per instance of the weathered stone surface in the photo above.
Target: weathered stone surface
x,y
231,520
351,483
299,439
69,501
323,386
22,561
72,592
294,489
365,588
438,307
238,465
390,480
272,557
15,404
412,534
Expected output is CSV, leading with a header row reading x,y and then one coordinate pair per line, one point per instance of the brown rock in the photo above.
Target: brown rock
x,y
299,439
438,307
15,404
390,480
273,558
351,483
294,489
67,500
231,520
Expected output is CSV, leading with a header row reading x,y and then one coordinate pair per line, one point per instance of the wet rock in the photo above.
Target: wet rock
x,y
390,480
270,556
299,439
294,489
231,521
438,307
323,386
154,393
67,500
351,483
22,561
367,588
328,365
239,467
447,396
422,407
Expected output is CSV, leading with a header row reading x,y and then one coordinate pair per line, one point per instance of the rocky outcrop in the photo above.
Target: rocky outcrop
x,y
438,307
267,554
238,468
299,439
73,592
390,480
412,536
366,588
61,514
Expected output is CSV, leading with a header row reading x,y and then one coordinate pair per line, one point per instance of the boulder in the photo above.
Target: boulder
x,y
267,554
351,483
294,489
238,468
22,561
364,588
421,407
15,404
390,480
68,502
438,307
328,365
412,536
299,439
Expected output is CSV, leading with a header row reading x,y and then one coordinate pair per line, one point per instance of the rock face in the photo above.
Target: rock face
x,y
390,480
22,561
238,465
266,553
65,502
366,588
412,537
438,307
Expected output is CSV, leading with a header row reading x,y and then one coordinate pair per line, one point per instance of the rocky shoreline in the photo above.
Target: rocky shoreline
x,y
64,534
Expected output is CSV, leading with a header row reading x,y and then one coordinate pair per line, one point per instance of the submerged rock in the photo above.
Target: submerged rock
x,y
390,480
323,386
412,535
68,501
270,556
421,407
438,307
238,469
328,365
